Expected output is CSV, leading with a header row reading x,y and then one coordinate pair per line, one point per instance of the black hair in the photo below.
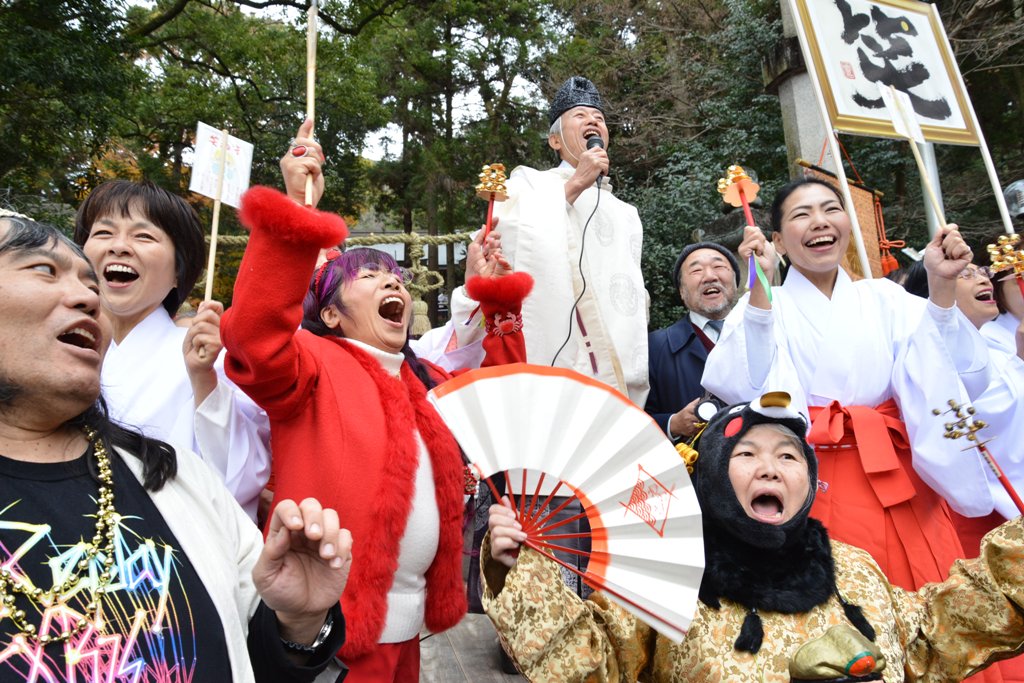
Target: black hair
x,y
25,233
159,461
789,188
167,211
916,281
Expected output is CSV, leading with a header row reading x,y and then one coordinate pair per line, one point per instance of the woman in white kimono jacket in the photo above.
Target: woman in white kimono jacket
x,y
147,247
869,362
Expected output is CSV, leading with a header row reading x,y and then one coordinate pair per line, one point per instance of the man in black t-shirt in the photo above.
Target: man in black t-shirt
x,y
121,558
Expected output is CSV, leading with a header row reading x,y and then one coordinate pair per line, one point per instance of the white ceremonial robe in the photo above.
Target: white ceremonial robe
x,y
1001,333
870,342
1002,407
146,386
469,348
542,234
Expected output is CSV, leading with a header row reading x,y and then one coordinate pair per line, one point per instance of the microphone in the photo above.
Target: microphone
x,y
592,142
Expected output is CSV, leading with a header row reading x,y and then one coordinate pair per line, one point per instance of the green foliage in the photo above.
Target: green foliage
x,y
64,79
95,89
449,72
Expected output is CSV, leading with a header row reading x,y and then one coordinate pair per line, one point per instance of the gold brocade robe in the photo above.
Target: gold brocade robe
x,y
943,632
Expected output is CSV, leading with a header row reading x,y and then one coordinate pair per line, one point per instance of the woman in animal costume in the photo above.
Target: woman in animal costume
x,y
779,600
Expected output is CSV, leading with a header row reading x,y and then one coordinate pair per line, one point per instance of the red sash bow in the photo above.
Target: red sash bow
x,y
877,433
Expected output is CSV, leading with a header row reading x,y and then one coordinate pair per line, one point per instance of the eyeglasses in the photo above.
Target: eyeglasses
x,y
976,272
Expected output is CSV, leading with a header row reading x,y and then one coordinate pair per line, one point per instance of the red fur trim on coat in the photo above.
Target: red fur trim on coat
x,y
500,294
373,570
264,208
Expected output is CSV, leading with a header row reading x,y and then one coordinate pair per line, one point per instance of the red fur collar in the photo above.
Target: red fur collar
x,y
373,572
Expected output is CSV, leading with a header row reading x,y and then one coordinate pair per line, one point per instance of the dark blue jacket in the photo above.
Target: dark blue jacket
x,y
676,358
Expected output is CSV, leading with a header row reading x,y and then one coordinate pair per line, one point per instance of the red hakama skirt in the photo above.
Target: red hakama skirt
x,y
869,495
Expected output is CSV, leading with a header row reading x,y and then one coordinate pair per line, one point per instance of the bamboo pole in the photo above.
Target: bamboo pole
x,y
986,157
311,39
926,180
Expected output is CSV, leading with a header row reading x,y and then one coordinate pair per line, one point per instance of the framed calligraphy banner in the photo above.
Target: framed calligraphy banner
x,y
859,46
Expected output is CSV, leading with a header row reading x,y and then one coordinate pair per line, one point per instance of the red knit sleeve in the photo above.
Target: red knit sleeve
x,y
259,329
501,302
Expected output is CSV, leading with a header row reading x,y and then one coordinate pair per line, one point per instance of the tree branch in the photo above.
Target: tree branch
x,y
159,20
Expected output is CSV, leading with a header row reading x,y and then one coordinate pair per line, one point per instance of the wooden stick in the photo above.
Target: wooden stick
x,y
921,168
210,270
311,33
991,461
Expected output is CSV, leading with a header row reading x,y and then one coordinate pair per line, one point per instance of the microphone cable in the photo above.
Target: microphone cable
x,y
592,142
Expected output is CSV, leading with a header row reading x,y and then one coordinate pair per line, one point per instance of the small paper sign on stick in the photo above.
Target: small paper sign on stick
x,y
908,125
207,165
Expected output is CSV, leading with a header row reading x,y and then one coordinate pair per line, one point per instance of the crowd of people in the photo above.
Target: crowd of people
x,y
845,538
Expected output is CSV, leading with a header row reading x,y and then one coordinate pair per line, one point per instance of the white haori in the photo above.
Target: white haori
x,y
1001,333
1002,407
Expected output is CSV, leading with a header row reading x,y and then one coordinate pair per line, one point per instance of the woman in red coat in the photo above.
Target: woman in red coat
x,y
350,423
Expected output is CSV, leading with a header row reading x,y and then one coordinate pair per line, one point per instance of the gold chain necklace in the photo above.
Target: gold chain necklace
x,y
106,523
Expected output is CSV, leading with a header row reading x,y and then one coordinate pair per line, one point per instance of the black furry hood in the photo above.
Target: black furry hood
x,y
784,568
791,580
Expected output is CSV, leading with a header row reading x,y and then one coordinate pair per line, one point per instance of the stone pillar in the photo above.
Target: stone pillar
x,y
785,74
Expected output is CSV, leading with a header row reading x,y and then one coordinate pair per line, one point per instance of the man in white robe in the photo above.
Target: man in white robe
x,y
578,241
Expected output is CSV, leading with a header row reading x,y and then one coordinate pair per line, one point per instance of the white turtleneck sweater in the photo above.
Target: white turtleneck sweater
x,y
407,596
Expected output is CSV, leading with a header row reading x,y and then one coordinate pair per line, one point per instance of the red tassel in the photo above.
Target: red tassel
x,y
889,263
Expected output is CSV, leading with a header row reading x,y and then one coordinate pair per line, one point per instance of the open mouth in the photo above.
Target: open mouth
x,y
822,241
392,309
767,507
985,296
119,273
82,336
711,290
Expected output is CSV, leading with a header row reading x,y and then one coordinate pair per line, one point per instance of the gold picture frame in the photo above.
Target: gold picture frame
x,y
856,45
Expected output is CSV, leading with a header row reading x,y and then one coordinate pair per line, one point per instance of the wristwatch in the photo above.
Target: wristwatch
x,y
321,638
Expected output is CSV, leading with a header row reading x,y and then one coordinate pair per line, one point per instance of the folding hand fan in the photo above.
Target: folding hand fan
x,y
647,548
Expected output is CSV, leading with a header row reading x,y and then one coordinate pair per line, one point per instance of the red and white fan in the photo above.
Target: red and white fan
x,y
554,432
